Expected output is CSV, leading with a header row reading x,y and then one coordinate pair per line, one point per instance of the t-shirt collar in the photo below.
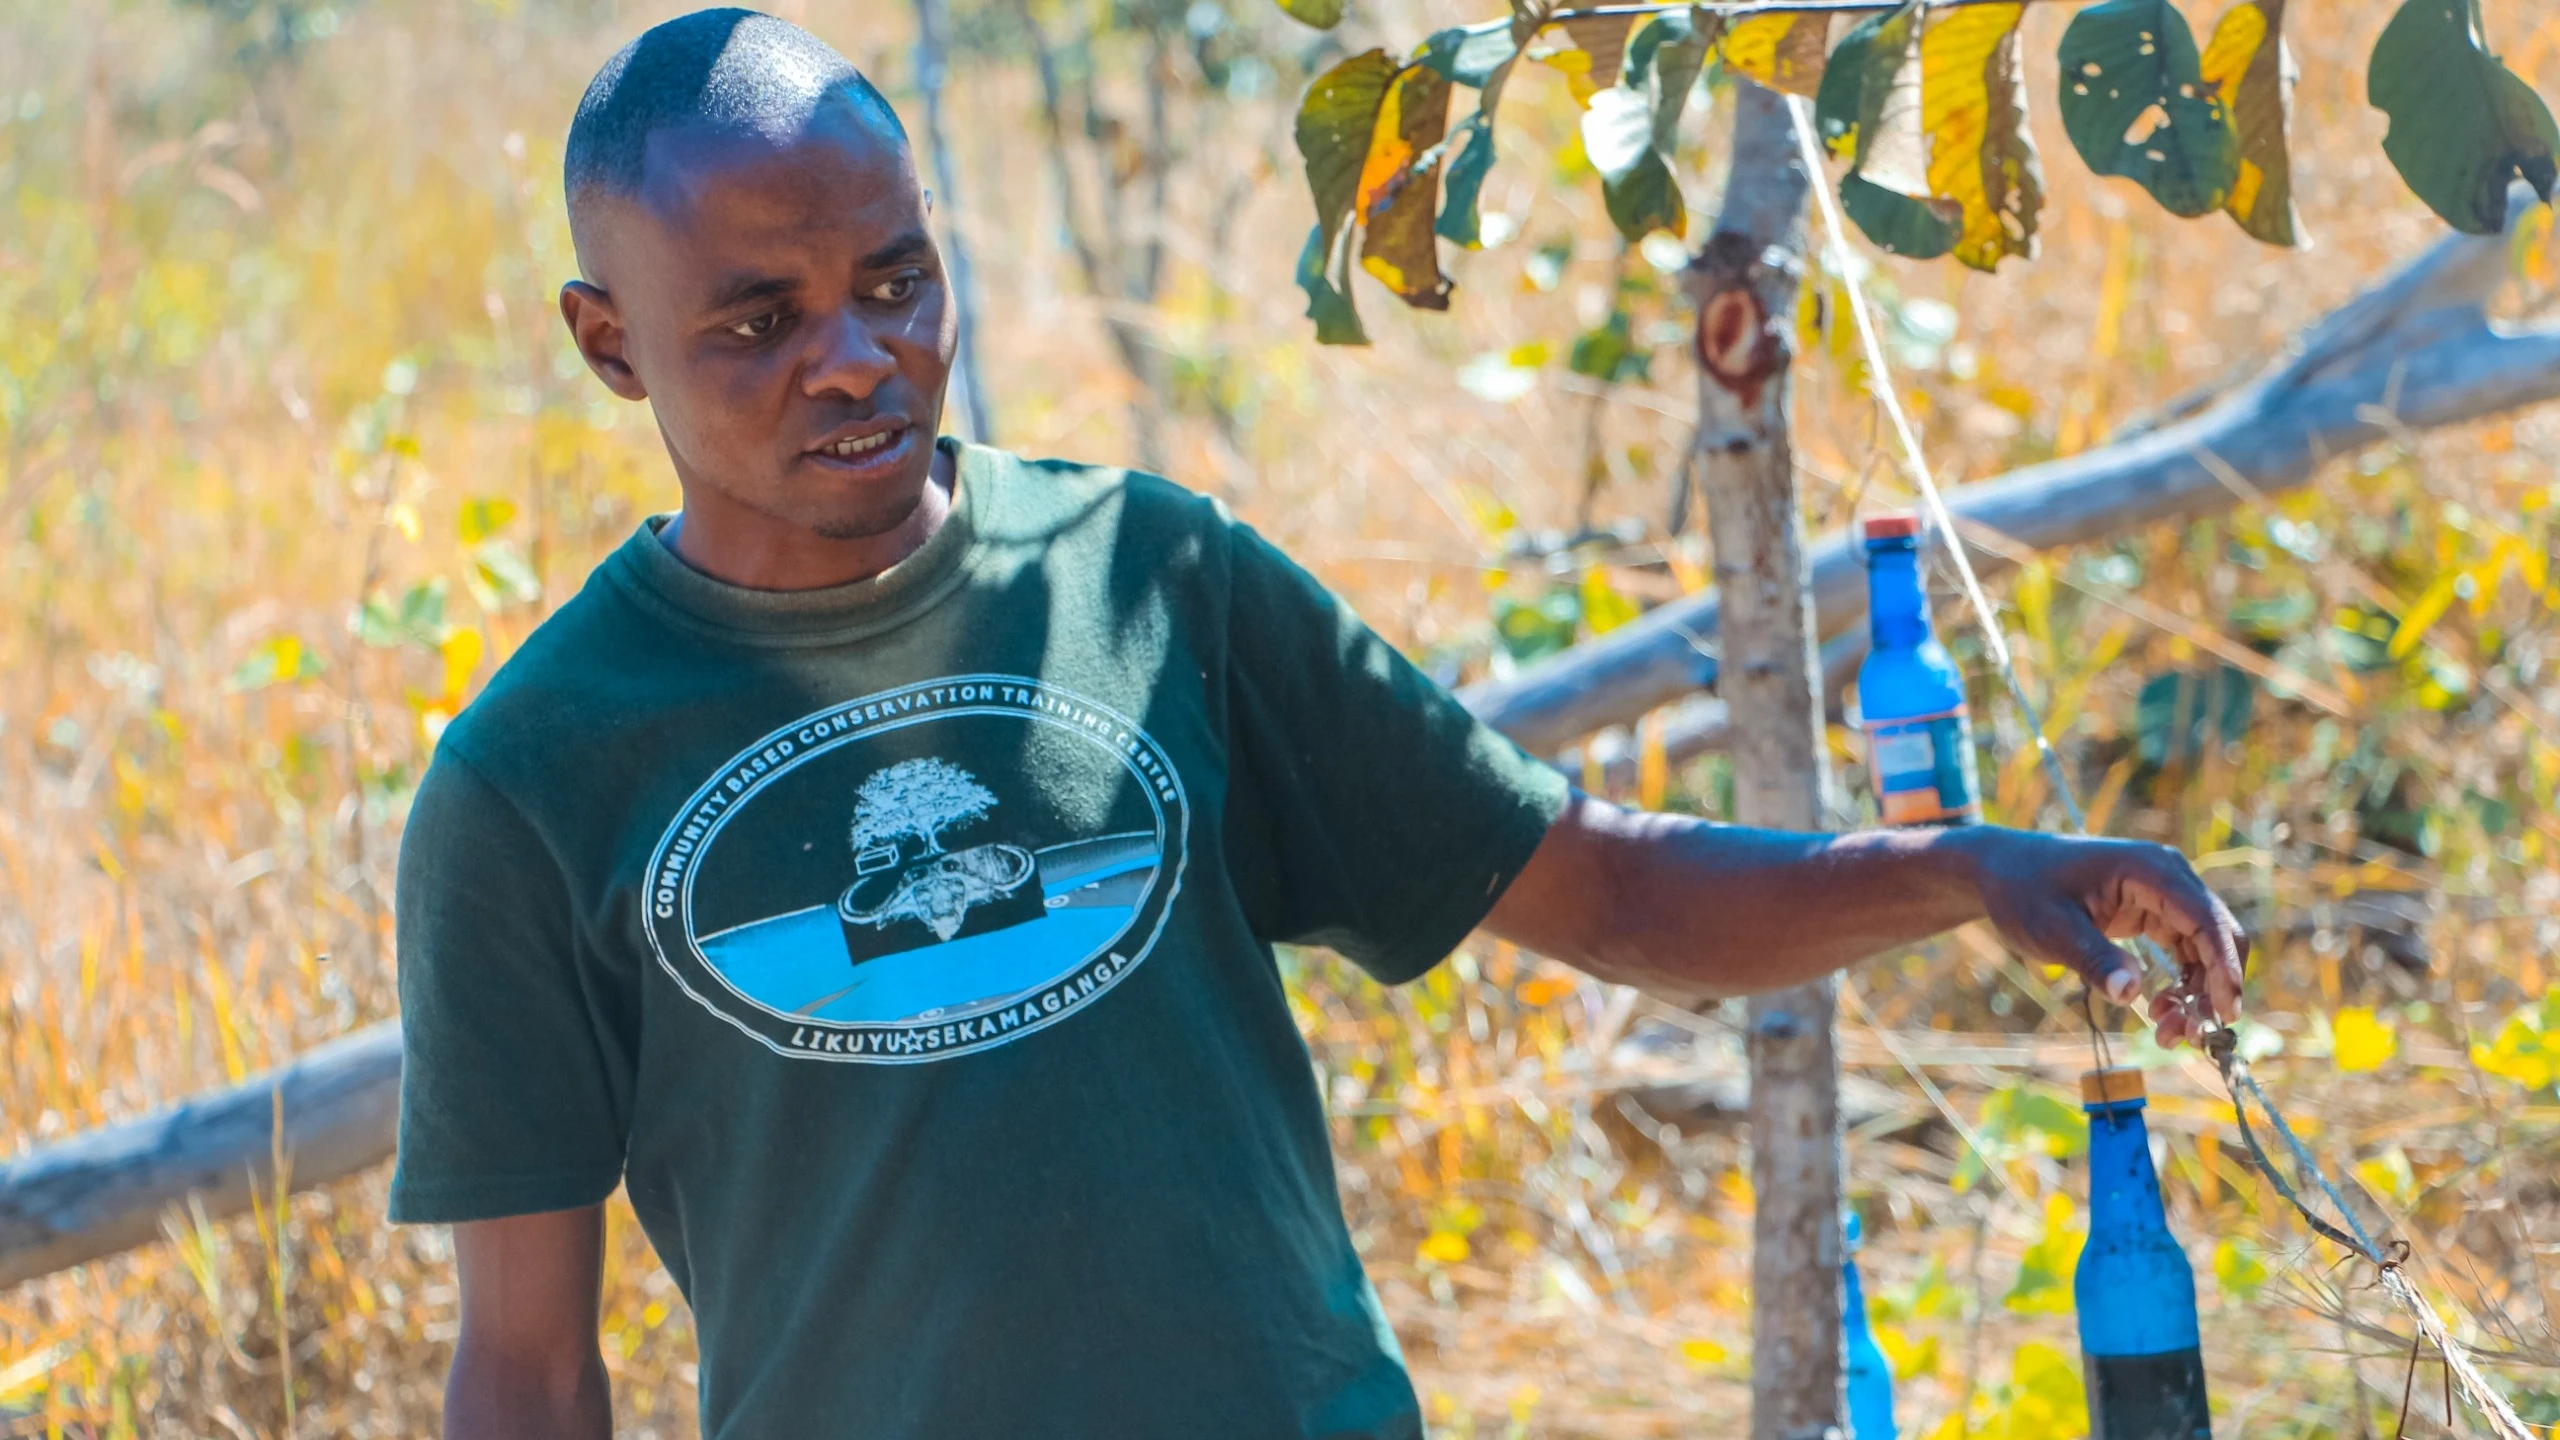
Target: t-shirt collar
x,y
835,612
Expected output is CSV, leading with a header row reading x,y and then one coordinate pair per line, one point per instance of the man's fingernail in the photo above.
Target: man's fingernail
x,y
2120,986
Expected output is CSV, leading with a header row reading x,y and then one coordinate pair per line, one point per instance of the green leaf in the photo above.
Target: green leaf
x,y
1900,224
1335,123
416,618
2135,104
1607,352
2248,64
1982,160
1869,109
501,576
1322,14
1463,184
1337,320
1470,55
2462,124
1400,189
282,658
2178,714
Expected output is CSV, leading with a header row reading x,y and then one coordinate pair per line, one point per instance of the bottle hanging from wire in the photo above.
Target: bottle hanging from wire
x,y
1910,697
2139,1347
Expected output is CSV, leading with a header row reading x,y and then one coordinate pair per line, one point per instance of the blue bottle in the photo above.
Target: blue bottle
x,y
2139,1349
1870,1377
1910,698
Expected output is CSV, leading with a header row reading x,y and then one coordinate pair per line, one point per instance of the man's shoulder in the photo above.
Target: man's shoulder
x,y
1043,500
569,674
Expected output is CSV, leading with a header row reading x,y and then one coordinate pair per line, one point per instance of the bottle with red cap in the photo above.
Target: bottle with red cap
x,y
1910,697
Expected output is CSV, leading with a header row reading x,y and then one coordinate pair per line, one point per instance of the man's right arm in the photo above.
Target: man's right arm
x,y
527,1365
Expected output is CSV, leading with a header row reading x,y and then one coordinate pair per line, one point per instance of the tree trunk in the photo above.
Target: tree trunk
x,y
933,67
1745,282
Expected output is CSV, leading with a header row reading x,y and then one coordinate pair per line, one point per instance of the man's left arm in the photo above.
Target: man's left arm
x,y
1690,909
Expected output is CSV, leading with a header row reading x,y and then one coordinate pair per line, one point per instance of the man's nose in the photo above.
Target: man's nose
x,y
850,358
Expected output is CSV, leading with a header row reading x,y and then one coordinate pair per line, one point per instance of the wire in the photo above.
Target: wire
x,y
2220,1042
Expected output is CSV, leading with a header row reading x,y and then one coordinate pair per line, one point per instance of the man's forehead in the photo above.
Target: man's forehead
x,y
836,154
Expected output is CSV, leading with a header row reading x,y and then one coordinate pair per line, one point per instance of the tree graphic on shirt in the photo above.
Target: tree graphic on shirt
x,y
922,798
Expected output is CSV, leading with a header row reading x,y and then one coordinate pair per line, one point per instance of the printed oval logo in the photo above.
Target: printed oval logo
x,y
923,872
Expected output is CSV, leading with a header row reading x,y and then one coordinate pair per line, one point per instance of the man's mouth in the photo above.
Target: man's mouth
x,y
863,448
859,445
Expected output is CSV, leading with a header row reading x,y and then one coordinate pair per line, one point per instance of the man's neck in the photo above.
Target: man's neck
x,y
756,552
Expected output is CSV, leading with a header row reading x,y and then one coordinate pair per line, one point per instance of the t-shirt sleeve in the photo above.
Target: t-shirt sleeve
x,y
513,1088
1368,811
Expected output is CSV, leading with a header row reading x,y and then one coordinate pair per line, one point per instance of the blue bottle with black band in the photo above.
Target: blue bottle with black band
x,y
2140,1350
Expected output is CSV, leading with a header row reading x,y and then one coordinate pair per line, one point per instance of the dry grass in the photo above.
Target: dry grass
x,y
276,343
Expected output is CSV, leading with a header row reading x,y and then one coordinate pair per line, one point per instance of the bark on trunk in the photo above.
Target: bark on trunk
x,y
1745,281
968,392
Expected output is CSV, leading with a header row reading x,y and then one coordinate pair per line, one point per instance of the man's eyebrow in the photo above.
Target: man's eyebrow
x,y
746,289
906,247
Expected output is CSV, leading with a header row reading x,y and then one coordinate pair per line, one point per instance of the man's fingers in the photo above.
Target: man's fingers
x,y
2171,903
2103,965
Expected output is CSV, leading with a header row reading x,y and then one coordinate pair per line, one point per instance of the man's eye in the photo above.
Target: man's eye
x,y
757,327
896,291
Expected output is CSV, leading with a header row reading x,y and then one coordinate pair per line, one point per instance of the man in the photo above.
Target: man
x,y
875,867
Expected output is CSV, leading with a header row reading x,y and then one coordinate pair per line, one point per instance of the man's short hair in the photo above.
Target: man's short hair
x,y
731,68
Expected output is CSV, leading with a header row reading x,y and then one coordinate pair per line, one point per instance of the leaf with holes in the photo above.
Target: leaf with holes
x,y
2462,125
1973,104
2135,104
1399,188
1781,51
1322,14
2248,64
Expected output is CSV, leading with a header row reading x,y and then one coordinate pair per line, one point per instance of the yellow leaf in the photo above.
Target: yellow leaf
x,y
1973,105
1603,608
1603,38
2362,1041
2248,62
1703,1353
483,516
1445,1247
2423,614
2241,1272
461,651
1399,190
1781,51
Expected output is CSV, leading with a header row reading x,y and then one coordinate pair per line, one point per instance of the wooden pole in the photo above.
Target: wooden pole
x,y
1745,282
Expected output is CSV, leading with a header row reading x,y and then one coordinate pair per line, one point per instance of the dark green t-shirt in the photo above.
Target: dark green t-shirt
x,y
905,948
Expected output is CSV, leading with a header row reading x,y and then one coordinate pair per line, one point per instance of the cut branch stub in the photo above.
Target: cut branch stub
x,y
2135,104
2462,124
1737,346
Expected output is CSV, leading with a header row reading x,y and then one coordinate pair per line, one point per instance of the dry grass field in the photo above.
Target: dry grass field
x,y
293,452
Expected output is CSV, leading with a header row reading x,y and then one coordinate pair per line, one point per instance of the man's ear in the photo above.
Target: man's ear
x,y
596,325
